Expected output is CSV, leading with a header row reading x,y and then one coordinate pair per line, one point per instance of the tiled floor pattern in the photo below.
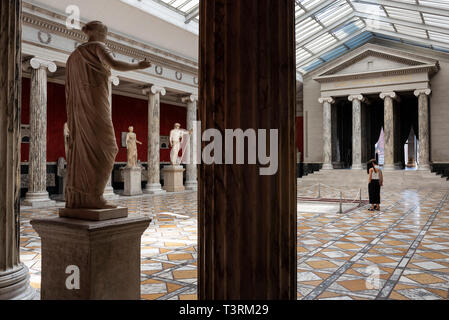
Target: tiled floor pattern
x,y
401,252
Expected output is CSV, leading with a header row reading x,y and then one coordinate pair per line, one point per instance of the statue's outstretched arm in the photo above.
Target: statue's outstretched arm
x,y
106,56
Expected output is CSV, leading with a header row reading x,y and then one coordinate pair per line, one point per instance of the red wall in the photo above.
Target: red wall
x,y
300,135
125,112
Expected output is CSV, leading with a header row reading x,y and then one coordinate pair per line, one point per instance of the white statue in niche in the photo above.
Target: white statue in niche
x,y
131,145
178,139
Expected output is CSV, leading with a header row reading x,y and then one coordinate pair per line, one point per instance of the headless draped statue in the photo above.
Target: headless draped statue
x,y
131,145
177,136
92,144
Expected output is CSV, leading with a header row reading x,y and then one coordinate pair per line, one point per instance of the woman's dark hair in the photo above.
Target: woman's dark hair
x,y
371,164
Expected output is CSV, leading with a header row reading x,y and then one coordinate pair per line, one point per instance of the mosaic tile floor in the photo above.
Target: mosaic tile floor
x,y
399,253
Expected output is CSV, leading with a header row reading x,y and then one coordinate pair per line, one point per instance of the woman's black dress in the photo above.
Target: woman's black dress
x,y
374,192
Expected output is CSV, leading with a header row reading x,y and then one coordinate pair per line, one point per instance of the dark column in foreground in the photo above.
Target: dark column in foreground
x,y
14,277
247,227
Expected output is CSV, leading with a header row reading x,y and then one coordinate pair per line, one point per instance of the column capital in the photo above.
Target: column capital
x,y
114,80
419,92
392,95
153,89
359,97
326,99
39,63
192,98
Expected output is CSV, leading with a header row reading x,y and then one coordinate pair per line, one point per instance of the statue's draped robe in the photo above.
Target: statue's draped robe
x,y
92,143
131,144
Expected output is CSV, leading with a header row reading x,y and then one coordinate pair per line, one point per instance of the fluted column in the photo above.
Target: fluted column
x,y
327,132
154,148
109,190
14,276
37,195
247,220
191,167
424,134
356,131
389,129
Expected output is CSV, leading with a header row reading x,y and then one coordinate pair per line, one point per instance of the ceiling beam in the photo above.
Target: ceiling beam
x,y
407,6
325,30
410,38
330,48
403,22
313,11
192,14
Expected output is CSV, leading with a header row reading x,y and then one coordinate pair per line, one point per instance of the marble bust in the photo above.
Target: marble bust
x,y
131,145
178,137
92,143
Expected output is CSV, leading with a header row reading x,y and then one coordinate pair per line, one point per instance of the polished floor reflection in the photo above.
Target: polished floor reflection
x,y
401,252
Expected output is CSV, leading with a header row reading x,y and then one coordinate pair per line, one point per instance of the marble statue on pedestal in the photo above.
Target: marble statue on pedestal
x,y
178,139
131,145
92,144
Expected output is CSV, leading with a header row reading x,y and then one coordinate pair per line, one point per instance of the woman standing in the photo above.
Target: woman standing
x,y
375,182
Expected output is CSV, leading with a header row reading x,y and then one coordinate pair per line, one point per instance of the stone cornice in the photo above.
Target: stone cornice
x,y
430,69
133,52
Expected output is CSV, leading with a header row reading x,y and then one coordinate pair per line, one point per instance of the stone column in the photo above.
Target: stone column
x,y
389,135
247,220
424,134
411,159
327,132
154,149
14,276
109,190
191,167
37,195
356,131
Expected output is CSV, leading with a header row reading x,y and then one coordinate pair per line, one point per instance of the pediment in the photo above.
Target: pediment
x,y
375,61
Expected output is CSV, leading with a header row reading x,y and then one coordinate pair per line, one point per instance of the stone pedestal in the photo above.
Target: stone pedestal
x,y
103,257
133,181
173,178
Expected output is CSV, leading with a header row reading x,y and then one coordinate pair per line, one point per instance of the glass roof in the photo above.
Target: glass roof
x,y
326,29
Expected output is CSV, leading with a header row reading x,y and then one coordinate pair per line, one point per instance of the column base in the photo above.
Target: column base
x,y
357,166
327,166
191,185
15,284
109,194
389,167
38,200
424,167
154,188
91,260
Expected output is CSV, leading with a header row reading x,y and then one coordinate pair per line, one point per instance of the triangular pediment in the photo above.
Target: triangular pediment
x,y
372,59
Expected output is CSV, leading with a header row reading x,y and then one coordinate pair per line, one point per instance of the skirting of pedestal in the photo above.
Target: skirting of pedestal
x,y
86,260
154,189
38,200
15,284
327,166
191,185
94,215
